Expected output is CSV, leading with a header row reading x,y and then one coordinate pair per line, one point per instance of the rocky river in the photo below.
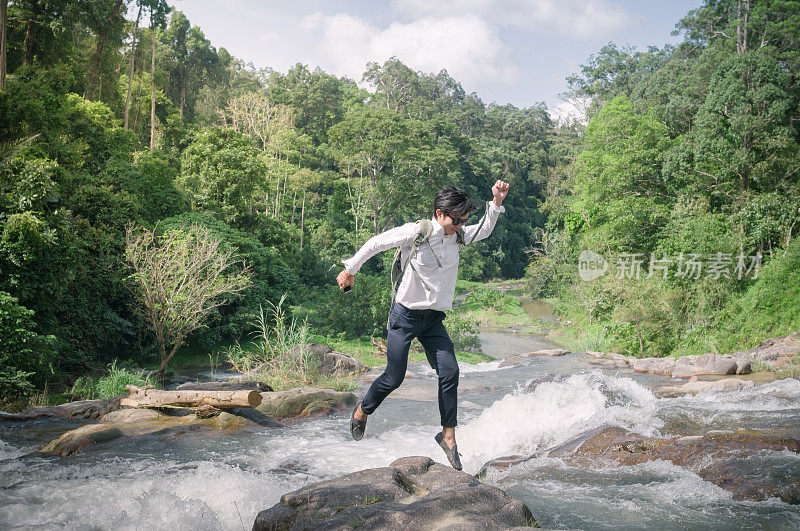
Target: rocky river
x,y
653,460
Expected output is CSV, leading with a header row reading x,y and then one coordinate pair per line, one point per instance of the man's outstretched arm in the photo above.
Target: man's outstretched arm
x,y
495,207
396,237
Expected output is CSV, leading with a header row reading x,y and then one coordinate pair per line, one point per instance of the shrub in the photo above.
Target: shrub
x,y
362,311
463,332
26,357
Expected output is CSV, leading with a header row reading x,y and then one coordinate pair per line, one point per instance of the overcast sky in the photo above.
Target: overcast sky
x,y
508,51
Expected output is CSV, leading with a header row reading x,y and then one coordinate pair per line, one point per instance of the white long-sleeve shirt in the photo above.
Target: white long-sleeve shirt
x,y
413,293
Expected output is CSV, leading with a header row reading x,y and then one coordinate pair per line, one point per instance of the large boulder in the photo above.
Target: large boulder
x,y
775,352
74,441
411,493
715,456
81,410
332,363
662,366
688,366
304,401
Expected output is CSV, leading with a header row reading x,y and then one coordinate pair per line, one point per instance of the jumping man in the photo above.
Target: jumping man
x,y
424,294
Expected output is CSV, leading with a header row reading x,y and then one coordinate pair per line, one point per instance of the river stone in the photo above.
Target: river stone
x,y
82,409
304,401
718,457
548,352
411,493
74,441
662,366
697,386
228,385
687,366
503,463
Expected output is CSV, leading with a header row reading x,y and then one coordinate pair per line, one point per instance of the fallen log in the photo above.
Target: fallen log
x,y
149,397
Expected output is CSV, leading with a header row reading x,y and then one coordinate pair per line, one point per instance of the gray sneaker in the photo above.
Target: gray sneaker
x,y
451,453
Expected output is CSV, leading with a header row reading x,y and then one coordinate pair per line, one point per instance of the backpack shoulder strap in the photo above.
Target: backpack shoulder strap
x,y
424,230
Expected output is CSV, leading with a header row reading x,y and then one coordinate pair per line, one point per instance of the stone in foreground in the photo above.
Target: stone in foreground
x,y
719,457
411,493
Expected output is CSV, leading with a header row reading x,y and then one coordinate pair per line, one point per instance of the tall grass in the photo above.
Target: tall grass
x,y
108,386
278,355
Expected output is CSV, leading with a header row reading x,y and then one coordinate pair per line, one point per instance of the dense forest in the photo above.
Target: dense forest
x,y
120,114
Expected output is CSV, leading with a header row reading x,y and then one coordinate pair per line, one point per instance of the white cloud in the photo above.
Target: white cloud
x,y
466,46
575,18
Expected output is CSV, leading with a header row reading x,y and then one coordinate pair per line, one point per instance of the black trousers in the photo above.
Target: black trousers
x,y
426,325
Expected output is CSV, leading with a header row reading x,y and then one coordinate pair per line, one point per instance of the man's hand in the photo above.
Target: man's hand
x,y
500,191
345,279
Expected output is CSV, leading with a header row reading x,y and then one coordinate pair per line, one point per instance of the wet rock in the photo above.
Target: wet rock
x,y
240,417
662,366
411,493
304,401
503,463
548,352
687,366
228,385
536,382
698,386
718,457
74,441
82,409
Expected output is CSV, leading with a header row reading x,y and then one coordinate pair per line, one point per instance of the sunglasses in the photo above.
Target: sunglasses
x,y
456,221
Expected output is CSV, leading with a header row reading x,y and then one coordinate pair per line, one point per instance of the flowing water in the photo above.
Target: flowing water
x,y
222,479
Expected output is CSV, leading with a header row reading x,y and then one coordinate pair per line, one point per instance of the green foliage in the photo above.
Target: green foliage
x,y
113,383
363,311
618,187
766,309
463,332
483,298
26,357
221,172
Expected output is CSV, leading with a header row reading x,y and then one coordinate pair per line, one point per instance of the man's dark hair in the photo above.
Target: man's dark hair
x,y
452,200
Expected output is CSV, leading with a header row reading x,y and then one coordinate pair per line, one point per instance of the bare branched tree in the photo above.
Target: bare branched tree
x,y
182,276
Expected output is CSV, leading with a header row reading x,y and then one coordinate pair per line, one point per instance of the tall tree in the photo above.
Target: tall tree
x,y
158,12
182,276
130,70
103,17
3,25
